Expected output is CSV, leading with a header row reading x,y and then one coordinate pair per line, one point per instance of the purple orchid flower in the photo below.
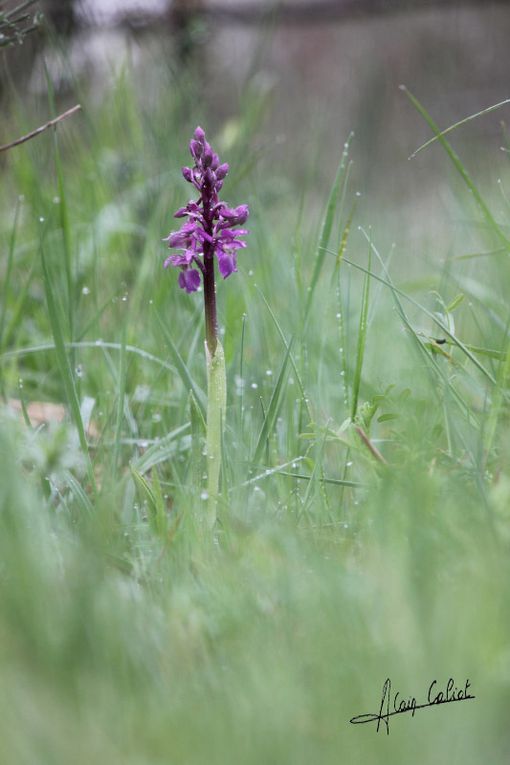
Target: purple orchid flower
x,y
208,231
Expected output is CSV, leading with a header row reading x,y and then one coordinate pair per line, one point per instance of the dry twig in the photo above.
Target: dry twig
x,y
41,129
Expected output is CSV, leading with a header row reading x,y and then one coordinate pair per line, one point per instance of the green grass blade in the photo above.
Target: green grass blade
x,y
121,387
431,315
153,497
8,272
78,493
181,367
456,125
457,163
198,430
241,378
64,365
362,338
166,447
273,408
324,479
327,227
63,212
291,357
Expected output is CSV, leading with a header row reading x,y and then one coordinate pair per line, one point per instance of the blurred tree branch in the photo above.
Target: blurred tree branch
x,y
41,129
17,23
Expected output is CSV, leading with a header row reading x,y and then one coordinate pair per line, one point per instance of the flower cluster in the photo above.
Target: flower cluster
x,y
209,228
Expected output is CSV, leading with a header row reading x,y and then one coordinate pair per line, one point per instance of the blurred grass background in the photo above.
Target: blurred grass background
x,y
125,635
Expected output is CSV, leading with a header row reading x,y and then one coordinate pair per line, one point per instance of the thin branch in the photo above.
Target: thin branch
x,y
370,446
41,129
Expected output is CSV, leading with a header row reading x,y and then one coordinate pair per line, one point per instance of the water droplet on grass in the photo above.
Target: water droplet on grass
x,y
85,291
204,495
254,386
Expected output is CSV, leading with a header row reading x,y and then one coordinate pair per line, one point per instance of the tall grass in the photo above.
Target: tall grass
x,y
363,521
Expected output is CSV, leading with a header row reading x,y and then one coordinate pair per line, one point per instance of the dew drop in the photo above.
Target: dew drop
x,y
85,291
79,371
41,219
269,372
254,386
204,495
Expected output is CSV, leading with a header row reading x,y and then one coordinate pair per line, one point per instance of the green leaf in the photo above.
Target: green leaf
x,y
273,408
327,226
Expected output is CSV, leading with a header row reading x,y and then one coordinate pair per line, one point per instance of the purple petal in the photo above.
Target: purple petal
x,y
189,280
235,215
187,174
184,236
196,149
222,171
226,263
208,157
199,134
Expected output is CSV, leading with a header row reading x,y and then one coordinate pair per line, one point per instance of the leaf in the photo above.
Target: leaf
x,y
273,408
181,367
327,226
362,335
154,498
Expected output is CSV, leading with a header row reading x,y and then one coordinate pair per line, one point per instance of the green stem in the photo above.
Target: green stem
x,y
216,405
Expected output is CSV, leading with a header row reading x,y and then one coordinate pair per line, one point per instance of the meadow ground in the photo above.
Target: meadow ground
x,y
364,523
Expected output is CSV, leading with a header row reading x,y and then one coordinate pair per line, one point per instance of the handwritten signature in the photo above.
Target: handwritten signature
x,y
395,704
